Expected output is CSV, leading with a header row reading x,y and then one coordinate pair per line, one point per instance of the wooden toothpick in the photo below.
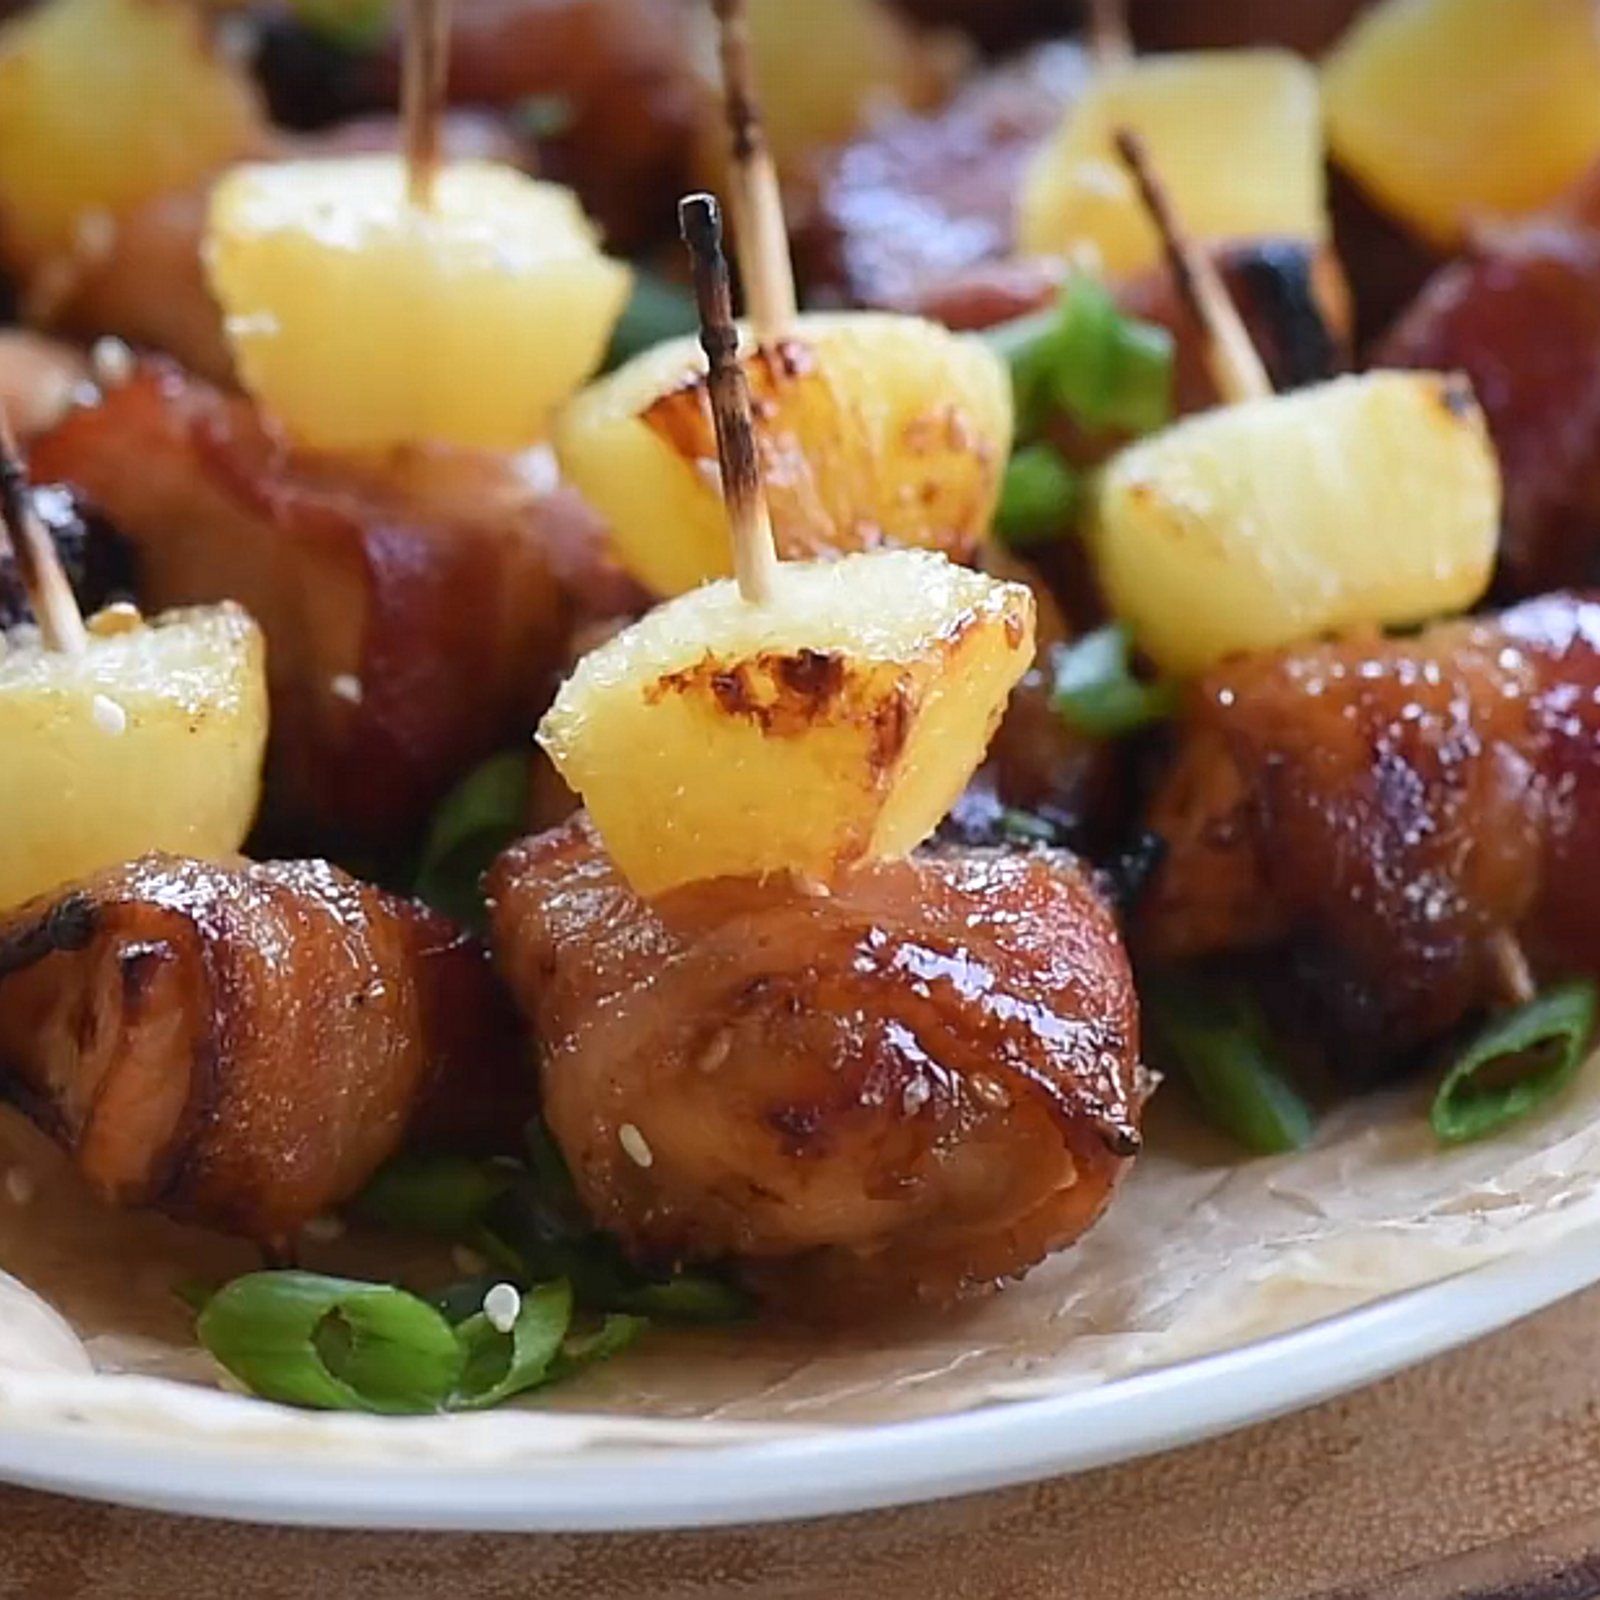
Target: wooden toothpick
x,y
48,591
1513,976
425,71
763,239
1231,358
1110,42
755,556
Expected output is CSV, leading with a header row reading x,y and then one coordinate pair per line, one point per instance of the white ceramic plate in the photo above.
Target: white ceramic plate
x,y
851,1469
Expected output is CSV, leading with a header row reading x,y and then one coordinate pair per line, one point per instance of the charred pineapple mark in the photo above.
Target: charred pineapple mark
x,y
787,694
681,418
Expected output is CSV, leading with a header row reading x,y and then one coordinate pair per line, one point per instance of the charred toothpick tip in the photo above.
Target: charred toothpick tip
x,y
1110,42
67,926
1231,358
763,238
425,73
755,557
49,593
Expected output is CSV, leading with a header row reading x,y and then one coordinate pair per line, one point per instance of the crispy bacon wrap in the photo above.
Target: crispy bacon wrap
x,y
1383,808
908,1089
242,1046
412,607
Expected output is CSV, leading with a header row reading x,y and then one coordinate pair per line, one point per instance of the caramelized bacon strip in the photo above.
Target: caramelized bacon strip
x,y
411,607
908,1089
1385,808
242,1046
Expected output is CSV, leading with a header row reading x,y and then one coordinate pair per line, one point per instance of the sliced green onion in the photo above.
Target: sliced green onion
x,y
1097,693
476,821
583,1350
332,1343
1039,498
1217,1037
1106,370
354,25
442,1196
687,1297
656,311
1517,1062
499,1365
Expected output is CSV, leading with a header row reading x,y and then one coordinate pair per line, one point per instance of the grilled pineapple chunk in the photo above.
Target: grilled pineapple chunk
x,y
104,104
1371,499
361,321
837,722
1447,109
1236,134
152,739
872,430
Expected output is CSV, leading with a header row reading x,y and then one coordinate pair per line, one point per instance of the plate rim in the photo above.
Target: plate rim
x,y
847,1470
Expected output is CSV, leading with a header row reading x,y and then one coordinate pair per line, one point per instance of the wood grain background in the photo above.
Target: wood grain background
x,y
1475,1476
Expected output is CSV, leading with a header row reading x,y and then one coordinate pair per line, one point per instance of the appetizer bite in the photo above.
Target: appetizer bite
x,y
121,735
767,1036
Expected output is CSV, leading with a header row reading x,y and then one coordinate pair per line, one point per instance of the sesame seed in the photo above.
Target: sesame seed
x,y
467,1262
633,1142
502,1305
108,716
347,687
991,1092
717,1052
112,362
320,1230
20,1186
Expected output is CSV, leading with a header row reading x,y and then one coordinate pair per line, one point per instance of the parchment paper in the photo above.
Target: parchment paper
x,y
1200,1252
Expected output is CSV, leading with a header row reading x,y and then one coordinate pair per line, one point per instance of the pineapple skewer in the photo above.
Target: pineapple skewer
x,y
1211,114
755,553
1240,377
373,303
1370,499
870,685
763,240
46,584
168,719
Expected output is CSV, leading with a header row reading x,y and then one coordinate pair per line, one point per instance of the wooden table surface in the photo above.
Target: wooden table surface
x,y
1477,1475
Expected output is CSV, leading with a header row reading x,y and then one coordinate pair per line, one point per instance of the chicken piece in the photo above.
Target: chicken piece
x,y
241,1046
918,198
906,1090
147,284
1521,318
1386,807
412,613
